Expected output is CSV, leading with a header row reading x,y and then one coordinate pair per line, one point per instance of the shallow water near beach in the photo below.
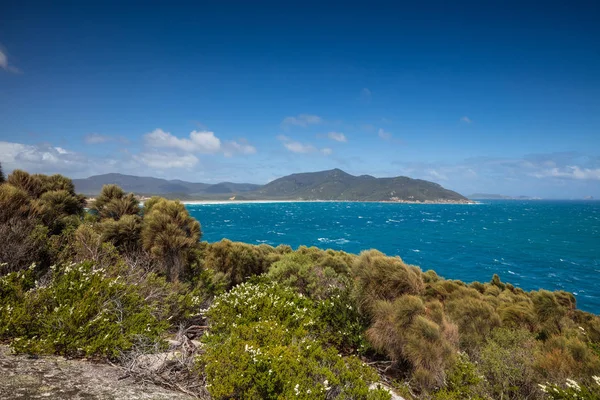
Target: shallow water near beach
x,y
531,244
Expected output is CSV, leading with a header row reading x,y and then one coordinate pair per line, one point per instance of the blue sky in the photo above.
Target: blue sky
x,y
493,96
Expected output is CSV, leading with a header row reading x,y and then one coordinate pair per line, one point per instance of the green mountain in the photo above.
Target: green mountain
x,y
334,184
338,185
151,186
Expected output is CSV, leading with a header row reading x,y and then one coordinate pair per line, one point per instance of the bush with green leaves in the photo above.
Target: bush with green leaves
x,y
260,347
81,311
170,235
572,390
463,381
506,361
236,262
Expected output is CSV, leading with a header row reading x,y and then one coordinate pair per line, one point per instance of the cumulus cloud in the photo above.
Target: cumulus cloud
x,y
383,134
326,151
302,120
166,160
39,157
466,119
198,142
337,136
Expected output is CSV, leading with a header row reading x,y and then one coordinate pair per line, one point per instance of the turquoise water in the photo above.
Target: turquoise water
x,y
532,244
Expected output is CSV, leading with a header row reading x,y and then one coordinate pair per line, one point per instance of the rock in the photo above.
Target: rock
x,y
54,377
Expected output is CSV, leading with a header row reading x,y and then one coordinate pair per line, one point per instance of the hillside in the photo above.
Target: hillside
x,y
333,184
338,185
148,185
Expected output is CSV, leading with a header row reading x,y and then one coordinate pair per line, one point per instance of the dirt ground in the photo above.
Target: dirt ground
x,y
52,377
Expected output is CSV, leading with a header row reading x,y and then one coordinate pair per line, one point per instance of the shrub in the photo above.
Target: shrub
x,y
80,312
237,261
307,276
506,361
475,320
259,348
403,331
377,277
171,235
463,381
573,390
113,203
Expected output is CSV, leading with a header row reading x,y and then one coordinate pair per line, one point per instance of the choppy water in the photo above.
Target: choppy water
x,y
532,244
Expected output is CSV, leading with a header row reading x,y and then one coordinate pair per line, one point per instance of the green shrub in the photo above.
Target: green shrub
x,y
463,381
573,390
80,312
506,361
307,276
259,347
238,261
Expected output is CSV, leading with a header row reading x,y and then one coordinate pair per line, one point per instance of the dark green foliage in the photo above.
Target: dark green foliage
x,y
260,348
170,235
462,381
81,312
124,233
2,178
238,261
506,361
113,203
31,184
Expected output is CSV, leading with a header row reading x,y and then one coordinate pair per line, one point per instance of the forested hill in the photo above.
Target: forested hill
x,y
157,186
338,185
333,184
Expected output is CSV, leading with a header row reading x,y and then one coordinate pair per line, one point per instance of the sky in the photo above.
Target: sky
x,y
478,96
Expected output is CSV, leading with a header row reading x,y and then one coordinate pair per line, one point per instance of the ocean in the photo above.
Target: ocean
x,y
532,244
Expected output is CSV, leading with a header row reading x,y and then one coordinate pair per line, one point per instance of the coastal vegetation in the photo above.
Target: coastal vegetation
x,y
109,278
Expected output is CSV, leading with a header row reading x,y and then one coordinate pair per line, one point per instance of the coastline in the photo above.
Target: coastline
x,y
209,202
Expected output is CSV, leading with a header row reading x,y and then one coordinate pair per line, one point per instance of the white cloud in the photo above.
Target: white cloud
x,y
38,158
166,160
231,147
569,172
384,135
466,119
5,65
199,141
302,120
297,147
302,148
95,138
3,60
337,136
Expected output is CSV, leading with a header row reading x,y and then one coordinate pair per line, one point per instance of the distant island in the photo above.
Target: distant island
x,y
488,196
332,184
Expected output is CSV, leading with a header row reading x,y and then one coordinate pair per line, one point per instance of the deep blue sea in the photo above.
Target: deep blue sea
x,y
531,244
